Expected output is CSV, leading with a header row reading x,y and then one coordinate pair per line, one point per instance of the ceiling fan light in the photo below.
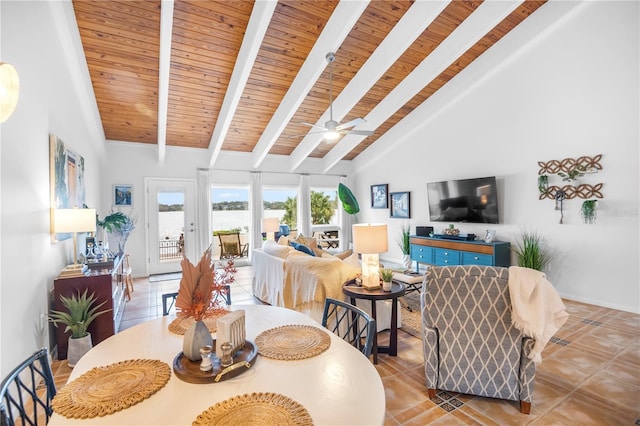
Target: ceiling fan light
x,y
331,136
9,89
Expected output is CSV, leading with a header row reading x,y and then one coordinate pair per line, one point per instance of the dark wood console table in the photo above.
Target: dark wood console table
x,y
108,285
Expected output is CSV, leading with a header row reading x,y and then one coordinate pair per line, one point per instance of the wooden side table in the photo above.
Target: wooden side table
x,y
397,290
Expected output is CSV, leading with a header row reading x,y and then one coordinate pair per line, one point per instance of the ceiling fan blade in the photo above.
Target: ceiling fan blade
x,y
359,132
351,123
313,125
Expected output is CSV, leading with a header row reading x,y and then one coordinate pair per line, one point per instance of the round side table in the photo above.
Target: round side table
x,y
357,292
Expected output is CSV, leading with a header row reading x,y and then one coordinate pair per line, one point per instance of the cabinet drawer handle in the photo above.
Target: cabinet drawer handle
x,y
476,258
446,261
446,253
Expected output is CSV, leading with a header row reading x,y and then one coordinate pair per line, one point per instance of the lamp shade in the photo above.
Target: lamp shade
x,y
74,220
270,224
9,90
370,238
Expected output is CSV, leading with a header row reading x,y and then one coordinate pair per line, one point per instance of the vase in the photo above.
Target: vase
x,y
78,346
386,285
406,261
196,336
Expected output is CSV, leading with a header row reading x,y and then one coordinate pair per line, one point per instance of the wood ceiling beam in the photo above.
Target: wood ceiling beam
x,y
166,29
338,27
408,29
256,30
487,16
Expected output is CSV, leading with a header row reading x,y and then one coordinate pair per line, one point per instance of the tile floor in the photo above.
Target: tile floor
x,y
590,374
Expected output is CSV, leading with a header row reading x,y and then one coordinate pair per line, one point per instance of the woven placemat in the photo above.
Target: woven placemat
x,y
105,390
181,325
291,342
256,408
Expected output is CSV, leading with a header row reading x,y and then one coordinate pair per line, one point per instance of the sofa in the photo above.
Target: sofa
x,y
292,278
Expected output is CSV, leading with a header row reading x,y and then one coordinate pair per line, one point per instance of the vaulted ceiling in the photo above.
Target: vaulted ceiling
x,y
239,75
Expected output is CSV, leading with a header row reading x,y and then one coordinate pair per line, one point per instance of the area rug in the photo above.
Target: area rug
x,y
165,277
411,319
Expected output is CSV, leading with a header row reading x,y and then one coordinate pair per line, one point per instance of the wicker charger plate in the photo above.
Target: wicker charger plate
x,y
256,408
291,342
180,325
105,390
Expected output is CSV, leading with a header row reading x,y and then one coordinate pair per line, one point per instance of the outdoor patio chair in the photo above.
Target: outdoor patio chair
x,y
231,247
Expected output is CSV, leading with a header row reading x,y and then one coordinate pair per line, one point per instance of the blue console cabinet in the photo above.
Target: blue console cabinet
x,y
443,252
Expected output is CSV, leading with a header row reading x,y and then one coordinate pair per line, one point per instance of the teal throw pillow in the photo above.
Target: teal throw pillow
x,y
302,248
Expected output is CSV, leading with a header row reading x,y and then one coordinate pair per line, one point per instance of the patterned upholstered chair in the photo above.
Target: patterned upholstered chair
x,y
469,343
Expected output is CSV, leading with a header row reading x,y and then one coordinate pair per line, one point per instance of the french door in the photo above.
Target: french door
x,y
171,230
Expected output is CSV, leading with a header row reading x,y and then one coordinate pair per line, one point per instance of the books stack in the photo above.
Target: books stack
x,y
72,271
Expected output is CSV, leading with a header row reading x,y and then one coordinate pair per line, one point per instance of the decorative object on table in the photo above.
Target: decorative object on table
x,y
205,353
588,211
255,408
531,251
489,235
81,314
231,329
400,205
451,230
370,240
74,221
105,390
123,195
118,224
380,196
293,342
404,242
387,278
270,225
196,298
348,200
190,372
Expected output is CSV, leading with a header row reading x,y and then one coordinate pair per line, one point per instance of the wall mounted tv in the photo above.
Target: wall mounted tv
x,y
465,200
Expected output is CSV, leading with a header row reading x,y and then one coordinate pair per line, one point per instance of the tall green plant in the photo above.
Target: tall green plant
x,y
404,240
81,313
531,251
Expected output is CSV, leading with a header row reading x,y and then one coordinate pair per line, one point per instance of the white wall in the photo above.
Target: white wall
x,y
572,91
47,104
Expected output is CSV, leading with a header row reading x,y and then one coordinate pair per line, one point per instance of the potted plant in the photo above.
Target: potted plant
x,y
543,184
80,315
404,243
387,277
588,211
119,225
531,251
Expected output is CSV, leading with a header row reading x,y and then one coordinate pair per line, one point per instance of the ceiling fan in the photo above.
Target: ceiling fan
x,y
333,129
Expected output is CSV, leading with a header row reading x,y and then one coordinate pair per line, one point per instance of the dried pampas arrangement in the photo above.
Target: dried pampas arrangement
x,y
201,288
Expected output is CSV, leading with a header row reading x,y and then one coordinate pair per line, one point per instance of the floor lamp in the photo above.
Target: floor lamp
x,y
74,221
370,240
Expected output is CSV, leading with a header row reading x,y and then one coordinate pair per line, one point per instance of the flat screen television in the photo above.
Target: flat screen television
x,y
465,200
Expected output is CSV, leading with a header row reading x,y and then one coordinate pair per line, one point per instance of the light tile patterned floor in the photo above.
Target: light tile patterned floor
x,y
590,374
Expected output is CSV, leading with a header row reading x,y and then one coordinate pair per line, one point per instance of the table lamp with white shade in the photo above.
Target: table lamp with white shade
x,y
74,221
270,225
370,239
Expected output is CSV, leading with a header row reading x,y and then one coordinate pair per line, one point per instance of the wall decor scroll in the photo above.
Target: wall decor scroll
x,y
569,170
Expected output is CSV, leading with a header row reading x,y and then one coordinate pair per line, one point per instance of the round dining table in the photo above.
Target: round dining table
x,y
340,386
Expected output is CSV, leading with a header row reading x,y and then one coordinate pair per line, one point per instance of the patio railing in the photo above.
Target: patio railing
x,y
170,249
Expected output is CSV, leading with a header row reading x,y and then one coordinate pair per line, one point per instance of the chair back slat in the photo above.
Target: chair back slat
x,y
350,323
27,391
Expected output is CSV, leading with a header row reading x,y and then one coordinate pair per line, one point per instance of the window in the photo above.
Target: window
x,y
281,203
324,206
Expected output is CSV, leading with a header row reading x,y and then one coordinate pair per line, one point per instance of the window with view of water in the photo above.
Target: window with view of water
x,y
281,203
170,224
230,209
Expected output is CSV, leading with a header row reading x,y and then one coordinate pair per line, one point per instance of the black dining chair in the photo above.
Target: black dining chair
x,y
350,323
26,393
168,299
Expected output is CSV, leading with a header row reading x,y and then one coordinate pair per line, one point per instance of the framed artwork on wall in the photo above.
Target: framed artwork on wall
x,y
66,179
400,204
379,196
123,195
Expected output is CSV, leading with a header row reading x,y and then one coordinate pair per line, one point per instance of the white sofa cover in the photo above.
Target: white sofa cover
x,y
268,286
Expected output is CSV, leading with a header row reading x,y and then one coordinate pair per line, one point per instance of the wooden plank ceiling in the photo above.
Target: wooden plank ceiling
x,y
286,77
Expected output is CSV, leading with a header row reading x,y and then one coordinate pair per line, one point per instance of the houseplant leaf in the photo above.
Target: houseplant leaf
x,y
349,201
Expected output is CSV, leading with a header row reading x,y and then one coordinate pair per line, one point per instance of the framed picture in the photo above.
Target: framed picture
x,y
379,196
400,204
122,195
67,186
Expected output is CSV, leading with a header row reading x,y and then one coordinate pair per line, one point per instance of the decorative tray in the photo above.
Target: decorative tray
x,y
189,371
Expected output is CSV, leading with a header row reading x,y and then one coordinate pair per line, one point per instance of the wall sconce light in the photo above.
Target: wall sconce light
x,y
9,90
370,240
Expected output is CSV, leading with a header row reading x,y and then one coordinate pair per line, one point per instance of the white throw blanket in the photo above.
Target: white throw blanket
x,y
537,309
